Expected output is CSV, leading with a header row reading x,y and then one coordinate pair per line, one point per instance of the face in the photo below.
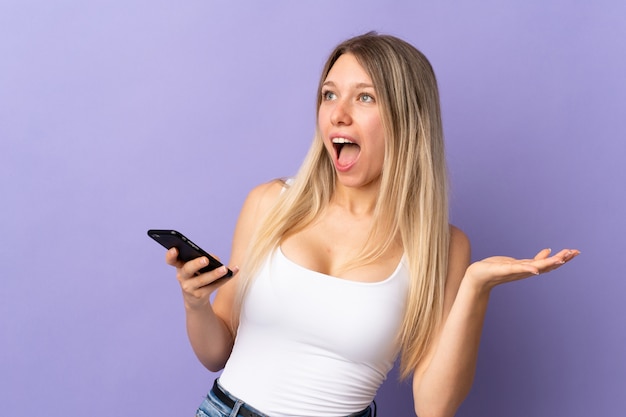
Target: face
x,y
350,123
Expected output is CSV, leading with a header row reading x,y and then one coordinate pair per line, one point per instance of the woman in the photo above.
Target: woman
x,y
353,261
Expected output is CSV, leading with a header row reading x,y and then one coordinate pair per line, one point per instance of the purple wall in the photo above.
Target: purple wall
x,y
119,116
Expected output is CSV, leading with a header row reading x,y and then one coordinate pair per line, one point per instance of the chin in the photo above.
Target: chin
x,y
352,181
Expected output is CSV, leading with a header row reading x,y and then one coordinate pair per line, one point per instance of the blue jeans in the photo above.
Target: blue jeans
x,y
212,406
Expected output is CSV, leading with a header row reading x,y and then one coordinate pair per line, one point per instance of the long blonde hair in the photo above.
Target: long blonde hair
x,y
412,203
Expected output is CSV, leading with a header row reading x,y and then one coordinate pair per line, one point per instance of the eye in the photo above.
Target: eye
x,y
366,98
328,95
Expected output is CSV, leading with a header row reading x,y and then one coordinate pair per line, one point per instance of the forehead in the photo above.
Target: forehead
x,y
347,69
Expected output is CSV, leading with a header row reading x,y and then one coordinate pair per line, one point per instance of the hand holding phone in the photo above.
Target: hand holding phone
x,y
187,250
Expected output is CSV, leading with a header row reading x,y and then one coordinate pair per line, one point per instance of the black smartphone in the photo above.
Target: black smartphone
x,y
187,250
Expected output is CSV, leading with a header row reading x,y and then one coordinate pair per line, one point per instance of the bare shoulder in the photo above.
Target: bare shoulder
x,y
259,202
262,197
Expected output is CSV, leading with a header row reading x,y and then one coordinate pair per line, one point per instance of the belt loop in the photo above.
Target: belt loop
x,y
236,408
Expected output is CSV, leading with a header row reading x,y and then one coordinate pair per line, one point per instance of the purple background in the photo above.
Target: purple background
x,y
120,116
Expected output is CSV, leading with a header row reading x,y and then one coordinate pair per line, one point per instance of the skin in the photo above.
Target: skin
x,y
349,109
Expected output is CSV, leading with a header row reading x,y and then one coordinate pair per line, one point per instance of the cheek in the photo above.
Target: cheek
x,y
379,149
378,137
375,124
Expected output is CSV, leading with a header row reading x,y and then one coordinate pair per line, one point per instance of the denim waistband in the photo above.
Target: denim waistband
x,y
245,411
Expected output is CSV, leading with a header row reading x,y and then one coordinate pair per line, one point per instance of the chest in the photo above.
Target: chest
x,y
332,242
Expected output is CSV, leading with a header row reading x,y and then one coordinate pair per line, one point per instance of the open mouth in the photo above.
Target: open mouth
x,y
346,150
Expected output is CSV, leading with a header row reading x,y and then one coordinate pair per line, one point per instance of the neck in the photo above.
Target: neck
x,y
359,201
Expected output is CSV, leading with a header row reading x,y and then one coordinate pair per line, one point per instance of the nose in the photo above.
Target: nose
x,y
341,113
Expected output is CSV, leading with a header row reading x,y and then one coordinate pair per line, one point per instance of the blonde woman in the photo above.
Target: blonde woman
x,y
352,262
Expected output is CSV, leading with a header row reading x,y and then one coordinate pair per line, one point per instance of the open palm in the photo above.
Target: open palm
x,y
497,270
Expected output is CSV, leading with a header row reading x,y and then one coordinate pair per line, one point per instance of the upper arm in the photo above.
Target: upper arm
x,y
255,208
458,261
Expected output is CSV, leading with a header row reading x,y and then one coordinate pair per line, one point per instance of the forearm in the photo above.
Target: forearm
x,y
209,336
448,378
448,372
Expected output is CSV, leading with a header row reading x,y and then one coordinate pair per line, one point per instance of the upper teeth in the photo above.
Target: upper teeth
x,y
341,140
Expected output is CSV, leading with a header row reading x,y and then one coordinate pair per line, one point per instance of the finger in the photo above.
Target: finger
x,y
563,256
514,270
571,254
567,255
171,257
543,254
190,269
208,281
544,265
555,261
212,276
525,269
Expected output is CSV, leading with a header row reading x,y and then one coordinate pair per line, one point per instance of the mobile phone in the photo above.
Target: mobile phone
x,y
187,250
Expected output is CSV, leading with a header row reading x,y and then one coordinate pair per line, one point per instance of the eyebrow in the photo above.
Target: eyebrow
x,y
357,85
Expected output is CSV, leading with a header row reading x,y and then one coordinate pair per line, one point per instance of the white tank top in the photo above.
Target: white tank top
x,y
314,345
